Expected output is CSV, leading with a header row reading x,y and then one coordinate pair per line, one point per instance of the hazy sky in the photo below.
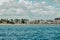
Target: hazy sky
x,y
30,9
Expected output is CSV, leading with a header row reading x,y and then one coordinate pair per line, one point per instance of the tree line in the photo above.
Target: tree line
x,y
13,21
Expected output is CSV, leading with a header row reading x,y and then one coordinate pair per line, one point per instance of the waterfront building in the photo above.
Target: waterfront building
x,y
37,22
42,21
34,22
31,22
49,21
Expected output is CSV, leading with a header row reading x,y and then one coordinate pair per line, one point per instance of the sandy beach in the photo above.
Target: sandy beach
x,y
29,24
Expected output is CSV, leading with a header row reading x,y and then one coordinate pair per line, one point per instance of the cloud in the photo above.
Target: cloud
x,y
2,1
29,10
43,2
58,1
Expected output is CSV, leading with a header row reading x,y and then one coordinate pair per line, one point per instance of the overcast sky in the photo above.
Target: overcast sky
x,y
30,9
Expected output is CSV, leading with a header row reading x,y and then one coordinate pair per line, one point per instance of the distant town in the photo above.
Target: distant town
x,y
27,21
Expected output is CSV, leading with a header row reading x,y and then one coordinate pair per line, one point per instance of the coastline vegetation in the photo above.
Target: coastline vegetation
x,y
27,21
13,21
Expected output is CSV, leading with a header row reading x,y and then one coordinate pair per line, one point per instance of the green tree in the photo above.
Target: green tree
x,y
16,20
12,22
24,20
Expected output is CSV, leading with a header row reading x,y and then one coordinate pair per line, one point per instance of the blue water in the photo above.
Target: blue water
x,y
29,32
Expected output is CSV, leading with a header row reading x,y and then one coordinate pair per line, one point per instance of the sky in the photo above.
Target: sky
x,y
30,9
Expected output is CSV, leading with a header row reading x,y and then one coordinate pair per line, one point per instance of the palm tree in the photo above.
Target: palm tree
x,y
24,20
0,21
16,20
57,18
12,22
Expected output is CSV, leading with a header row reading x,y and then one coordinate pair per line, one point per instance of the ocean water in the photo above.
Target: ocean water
x,y
29,32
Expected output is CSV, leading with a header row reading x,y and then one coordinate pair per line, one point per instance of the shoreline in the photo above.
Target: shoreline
x,y
29,24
